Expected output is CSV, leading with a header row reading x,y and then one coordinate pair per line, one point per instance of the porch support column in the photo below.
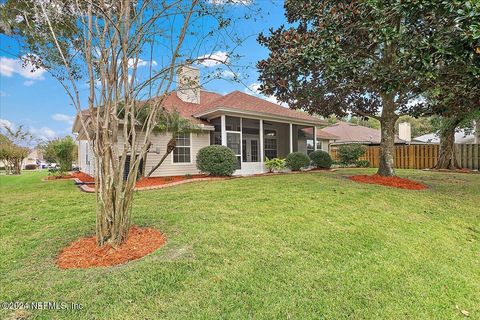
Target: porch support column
x,y
315,138
291,137
262,156
223,126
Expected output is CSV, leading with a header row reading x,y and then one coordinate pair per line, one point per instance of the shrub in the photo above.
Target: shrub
x,y
62,151
30,167
216,160
275,164
321,159
363,163
297,160
349,153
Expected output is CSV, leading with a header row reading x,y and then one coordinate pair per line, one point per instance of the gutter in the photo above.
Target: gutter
x,y
261,115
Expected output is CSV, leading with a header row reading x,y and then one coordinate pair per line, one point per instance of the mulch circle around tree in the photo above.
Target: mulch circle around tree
x,y
84,253
395,182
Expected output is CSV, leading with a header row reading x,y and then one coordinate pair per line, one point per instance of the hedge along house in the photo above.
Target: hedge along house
x,y
253,128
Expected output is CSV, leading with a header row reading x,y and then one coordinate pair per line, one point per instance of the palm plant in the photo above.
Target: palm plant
x,y
171,123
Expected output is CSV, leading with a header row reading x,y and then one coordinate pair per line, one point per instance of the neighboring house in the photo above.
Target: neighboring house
x,y
324,139
461,137
347,132
252,127
34,157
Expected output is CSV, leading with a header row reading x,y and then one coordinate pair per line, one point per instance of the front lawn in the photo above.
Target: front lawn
x,y
296,246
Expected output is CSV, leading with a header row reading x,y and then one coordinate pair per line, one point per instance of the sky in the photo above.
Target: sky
x,y
38,102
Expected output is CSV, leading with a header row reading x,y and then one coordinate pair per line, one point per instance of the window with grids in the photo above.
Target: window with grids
x,y
181,154
270,147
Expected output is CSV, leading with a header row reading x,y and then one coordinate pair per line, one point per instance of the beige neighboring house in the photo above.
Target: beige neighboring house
x,y
34,157
347,133
252,127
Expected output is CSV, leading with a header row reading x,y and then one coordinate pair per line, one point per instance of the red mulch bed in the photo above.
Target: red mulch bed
x,y
158,181
395,182
144,182
84,253
83,177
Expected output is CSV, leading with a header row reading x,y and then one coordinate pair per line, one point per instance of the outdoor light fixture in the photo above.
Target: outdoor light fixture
x,y
157,150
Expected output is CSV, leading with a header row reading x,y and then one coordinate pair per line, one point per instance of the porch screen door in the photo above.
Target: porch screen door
x,y
250,149
233,142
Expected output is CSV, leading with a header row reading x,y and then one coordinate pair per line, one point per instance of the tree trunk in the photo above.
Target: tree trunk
x,y
446,158
114,193
171,145
387,142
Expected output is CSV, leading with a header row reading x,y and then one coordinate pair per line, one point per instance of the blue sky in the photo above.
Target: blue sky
x,y
38,101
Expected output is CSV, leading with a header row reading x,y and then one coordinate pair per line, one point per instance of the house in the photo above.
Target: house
x,y
461,137
35,157
347,133
252,127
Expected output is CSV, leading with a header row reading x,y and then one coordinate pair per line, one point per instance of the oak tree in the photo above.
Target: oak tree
x,y
358,57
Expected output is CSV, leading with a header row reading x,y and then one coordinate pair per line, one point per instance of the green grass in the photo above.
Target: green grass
x,y
293,246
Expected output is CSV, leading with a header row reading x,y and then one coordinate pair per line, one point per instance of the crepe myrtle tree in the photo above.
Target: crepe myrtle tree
x,y
15,145
99,44
352,57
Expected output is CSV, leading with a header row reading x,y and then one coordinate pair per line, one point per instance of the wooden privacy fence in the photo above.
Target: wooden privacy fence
x,y
421,156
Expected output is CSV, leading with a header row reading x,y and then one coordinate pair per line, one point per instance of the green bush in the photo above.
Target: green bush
x,y
216,160
275,164
363,163
321,159
349,153
297,160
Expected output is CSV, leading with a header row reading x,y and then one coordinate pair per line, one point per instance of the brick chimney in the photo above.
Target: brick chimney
x,y
405,131
188,84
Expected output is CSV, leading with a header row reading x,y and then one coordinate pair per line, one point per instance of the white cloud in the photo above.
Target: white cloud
x,y
9,67
3,93
227,74
234,2
253,89
63,118
141,63
5,123
28,83
216,58
43,133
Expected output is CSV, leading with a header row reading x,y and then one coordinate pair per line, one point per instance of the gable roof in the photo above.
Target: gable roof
x,y
354,133
236,101
243,102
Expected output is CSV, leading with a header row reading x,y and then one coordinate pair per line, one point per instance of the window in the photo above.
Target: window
x,y
181,154
319,145
270,133
270,148
215,138
232,123
216,135
310,147
87,162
